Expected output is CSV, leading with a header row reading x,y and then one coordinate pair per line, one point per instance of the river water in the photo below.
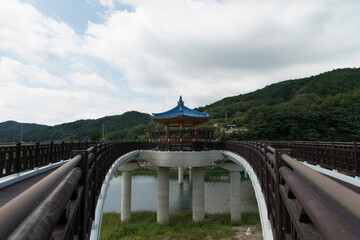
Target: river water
x,y
144,195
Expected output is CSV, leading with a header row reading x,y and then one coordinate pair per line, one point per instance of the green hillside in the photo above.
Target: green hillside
x,y
325,107
322,107
79,130
10,131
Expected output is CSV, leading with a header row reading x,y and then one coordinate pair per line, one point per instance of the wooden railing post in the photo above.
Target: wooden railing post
x,y
317,152
84,201
333,155
51,152
356,160
2,161
18,158
62,150
280,234
37,154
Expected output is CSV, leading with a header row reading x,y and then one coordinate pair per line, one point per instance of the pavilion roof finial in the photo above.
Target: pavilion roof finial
x,y
180,102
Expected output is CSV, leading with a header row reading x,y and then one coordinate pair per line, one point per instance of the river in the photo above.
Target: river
x,y
144,195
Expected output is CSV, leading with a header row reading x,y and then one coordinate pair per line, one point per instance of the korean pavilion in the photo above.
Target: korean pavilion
x,y
181,129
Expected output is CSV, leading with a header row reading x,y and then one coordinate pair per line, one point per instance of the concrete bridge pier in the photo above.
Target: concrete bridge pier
x,y
180,175
198,194
235,190
126,189
163,195
190,175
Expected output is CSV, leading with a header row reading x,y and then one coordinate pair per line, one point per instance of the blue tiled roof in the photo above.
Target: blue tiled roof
x,y
180,110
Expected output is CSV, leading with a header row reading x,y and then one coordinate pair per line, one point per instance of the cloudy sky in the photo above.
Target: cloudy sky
x,y
64,60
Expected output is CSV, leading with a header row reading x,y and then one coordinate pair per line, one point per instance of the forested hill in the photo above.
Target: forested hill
x,y
10,130
121,126
322,107
325,107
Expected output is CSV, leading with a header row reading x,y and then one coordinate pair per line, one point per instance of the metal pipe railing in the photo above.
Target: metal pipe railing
x,y
42,221
328,224
15,211
344,196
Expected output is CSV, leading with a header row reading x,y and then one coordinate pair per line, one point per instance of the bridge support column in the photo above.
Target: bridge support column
x,y
126,189
198,194
190,175
163,195
235,190
235,199
126,196
180,175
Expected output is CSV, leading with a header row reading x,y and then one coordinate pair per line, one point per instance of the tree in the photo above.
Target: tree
x,y
94,135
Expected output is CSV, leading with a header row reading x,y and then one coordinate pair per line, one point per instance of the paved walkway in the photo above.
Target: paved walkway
x,y
12,191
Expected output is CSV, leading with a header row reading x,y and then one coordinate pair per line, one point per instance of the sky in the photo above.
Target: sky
x,y
65,60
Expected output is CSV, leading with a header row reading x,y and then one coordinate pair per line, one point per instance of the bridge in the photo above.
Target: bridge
x,y
304,190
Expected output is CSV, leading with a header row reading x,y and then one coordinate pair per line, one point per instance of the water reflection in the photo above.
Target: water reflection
x,y
144,195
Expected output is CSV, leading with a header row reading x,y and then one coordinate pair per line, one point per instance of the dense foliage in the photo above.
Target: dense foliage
x,y
323,107
84,129
10,131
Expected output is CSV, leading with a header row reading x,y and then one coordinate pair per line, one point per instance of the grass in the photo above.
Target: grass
x,y
180,226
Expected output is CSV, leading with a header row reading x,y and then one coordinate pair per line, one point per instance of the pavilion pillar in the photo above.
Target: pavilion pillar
x,y
163,195
235,190
180,135
198,194
126,189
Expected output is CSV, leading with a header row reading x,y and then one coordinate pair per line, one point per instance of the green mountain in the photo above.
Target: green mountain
x,y
83,129
325,107
10,131
322,107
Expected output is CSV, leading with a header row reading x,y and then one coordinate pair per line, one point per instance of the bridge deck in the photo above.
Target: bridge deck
x,y
11,191
336,208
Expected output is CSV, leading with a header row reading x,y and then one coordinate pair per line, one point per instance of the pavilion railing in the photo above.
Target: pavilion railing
x,y
182,140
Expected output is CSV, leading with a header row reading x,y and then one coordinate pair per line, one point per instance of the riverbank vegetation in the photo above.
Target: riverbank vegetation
x,y
180,226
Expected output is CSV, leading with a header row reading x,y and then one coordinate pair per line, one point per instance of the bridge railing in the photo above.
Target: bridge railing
x,y
341,156
62,205
294,209
15,158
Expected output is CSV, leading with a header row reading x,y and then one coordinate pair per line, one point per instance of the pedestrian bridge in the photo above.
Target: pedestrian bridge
x,y
304,190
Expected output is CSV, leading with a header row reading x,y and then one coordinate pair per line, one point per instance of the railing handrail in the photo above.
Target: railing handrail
x,y
343,195
14,212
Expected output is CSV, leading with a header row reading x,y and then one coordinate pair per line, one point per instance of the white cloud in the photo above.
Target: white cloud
x,y
222,48
12,70
107,3
91,81
144,59
28,35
